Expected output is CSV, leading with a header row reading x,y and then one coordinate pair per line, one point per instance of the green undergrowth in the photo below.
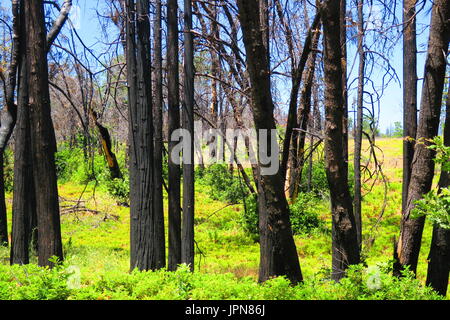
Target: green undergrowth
x,y
65,282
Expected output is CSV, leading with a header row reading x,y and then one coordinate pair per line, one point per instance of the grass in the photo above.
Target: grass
x,y
96,241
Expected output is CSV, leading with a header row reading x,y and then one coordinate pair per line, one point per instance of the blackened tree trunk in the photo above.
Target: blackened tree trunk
x,y
43,141
343,43
173,102
422,174
304,110
359,122
345,249
159,239
439,256
278,254
143,255
8,114
409,92
24,224
187,236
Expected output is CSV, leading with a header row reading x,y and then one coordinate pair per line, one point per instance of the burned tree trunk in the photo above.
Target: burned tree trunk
x,y
43,141
143,256
173,101
409,92
439,256
345,249
159,238
278,255
105,140
359,122
422,173
187,236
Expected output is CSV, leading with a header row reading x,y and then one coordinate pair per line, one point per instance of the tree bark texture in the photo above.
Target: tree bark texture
x,y
278,254
422,174
173,102
345,249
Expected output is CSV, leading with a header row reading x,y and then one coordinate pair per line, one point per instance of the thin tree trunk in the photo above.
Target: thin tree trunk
x,y
187,236
422,174
409,92
159,237
174,124
359,123
345,250
304,112
343,42
278,254
439,256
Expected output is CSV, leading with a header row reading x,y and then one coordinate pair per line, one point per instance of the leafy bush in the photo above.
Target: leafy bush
x,y
119,189
319,181
30,282
224,186
249,219
304,219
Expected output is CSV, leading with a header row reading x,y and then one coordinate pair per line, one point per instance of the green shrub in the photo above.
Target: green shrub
x,y
119,189
249,218
319,181
30,282
304,219
224,186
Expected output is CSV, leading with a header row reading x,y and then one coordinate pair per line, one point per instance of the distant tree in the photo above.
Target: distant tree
x,y
398,130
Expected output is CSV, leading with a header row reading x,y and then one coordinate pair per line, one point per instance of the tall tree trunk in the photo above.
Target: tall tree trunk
x,y
173,101
345,250
8,114
439,256
409,92
43,141
343,42
359,122
422,173
159,238
24,224
142,226
278,254
187,236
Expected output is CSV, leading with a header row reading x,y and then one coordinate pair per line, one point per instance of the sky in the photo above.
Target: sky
x,y
85,20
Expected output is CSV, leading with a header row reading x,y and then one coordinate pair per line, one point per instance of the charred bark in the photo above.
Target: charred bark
x,y
423,165
345,250
173,101
43,141
278,255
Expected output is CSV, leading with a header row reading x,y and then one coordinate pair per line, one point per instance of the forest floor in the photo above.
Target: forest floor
x,y
95,230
